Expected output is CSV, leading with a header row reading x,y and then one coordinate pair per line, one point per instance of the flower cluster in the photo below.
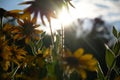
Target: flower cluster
x,y
15,36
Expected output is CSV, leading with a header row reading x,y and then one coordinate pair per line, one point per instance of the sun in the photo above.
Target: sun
x,y
65,17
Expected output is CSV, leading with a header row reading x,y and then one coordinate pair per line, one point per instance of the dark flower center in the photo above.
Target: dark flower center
x,y
72,61
28,28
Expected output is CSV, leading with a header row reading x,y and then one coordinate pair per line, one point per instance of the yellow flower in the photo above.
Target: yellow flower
x,y
5,65
81,62
18,54
5,54
47,8
7,30
4,49
47,53
27,30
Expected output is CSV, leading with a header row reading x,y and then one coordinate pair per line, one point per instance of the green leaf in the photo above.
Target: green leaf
x,y
58,71
39,44
43,34
109,58
116,47
32,45
50,69
118,34
114,31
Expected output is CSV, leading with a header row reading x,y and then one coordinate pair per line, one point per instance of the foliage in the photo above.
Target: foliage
x,y
112,55
23,55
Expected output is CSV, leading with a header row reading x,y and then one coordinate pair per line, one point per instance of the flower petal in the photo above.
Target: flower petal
x,y
93,62
34,20
82,74
78,52
20,22
27,39
86,57
38,31
67,53
27,2
6,65
15,11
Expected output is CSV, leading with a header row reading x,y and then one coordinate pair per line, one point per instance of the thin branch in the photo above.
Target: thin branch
x,y
62,28
52,36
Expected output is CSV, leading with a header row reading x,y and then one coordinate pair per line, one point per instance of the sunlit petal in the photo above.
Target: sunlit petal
x,y
78,52
20,22
38,31
86,57
6,65
27,39
15,11
82,74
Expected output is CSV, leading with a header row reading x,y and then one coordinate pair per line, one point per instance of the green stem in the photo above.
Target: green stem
x,y
62,28
52,36
14,72
100,72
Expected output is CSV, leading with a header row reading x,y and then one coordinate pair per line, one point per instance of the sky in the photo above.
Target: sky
x,y
108,9
11,4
